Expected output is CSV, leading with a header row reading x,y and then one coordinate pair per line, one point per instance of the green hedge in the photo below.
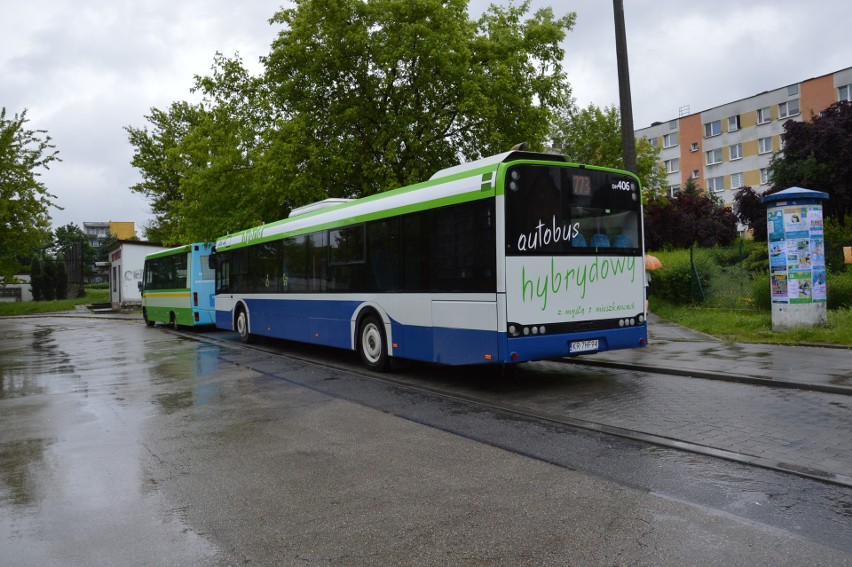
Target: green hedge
x,y
734,277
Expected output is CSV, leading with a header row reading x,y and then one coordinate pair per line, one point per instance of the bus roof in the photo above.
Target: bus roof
x,y
494,161
176,250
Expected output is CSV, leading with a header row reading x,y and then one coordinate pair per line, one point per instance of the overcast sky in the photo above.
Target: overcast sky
x,y
85,69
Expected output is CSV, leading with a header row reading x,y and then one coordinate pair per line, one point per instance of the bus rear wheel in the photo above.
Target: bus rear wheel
x,y
243,327
145,316
372,344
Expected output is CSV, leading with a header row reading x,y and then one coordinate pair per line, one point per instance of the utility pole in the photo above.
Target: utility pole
x,y
628,140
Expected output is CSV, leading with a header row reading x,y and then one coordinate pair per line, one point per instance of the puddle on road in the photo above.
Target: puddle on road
x,y
18,461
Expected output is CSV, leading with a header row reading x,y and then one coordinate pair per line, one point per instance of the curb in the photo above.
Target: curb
x,y
740,378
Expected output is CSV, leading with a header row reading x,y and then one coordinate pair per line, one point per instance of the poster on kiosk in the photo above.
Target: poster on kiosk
x,y
796,257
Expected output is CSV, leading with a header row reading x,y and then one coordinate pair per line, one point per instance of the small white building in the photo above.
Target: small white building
x,y
126,261
17,290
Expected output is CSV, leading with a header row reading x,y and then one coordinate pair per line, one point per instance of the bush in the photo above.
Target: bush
x,y
674,280
761,292
839,290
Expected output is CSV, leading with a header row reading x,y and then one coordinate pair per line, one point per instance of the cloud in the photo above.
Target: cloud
x,y
85,70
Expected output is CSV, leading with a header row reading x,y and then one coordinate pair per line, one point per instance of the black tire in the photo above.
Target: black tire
x,y
174,323
242,326
147,321
372,345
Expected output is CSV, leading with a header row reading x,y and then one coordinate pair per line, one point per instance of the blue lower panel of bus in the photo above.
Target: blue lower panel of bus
x,y
329,323
556,346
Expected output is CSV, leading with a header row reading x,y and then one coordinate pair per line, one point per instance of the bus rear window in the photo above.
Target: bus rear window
x,y
554,210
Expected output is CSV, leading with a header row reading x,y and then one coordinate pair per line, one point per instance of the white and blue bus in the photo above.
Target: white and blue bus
x,y
177,286
515,257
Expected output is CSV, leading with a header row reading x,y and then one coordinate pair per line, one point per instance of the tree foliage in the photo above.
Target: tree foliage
x,y
357,97
689,218
48,278
37,278
24,199
751,212
818,155
593,136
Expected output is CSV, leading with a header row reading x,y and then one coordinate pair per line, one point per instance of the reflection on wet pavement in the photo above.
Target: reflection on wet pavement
x,y
71,478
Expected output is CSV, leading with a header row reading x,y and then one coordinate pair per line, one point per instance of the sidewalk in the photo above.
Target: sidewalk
x,y
677,350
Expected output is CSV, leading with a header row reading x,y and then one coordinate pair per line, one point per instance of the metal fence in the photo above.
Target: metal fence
x,y
734,277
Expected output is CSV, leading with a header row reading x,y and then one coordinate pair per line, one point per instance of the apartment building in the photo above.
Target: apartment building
x,y
730,146
98,233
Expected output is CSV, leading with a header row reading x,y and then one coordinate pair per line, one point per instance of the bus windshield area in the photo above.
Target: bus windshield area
x,y
557,210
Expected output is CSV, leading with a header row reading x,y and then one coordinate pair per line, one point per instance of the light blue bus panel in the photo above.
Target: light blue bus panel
x,y
178,287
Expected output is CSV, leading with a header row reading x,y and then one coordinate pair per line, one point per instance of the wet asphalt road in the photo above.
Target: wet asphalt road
x,y
126,445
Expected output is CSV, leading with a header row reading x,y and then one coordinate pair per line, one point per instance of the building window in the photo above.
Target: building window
x,y
654,142
845,93
674,190
789,108
672,124
764,115
737,180
712,128
734,123
693,147
672,165
764,145
696,174
670,140
793,90
764,176
713,156
716,184
736,151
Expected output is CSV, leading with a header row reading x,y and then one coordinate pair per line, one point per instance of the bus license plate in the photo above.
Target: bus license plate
x,y
583,346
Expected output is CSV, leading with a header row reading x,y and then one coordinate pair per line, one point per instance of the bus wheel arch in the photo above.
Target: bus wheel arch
x,y
148,322
241,323
371,341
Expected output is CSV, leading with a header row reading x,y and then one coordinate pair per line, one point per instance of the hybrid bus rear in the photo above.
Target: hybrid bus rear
x,y
516,257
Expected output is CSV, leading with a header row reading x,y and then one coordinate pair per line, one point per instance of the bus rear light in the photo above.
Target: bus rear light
x,y
195,298
395,345
196,317
514,356
641,342
487,357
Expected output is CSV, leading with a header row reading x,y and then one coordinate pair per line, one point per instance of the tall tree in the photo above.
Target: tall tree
x,y
37,277
158,158
592,135
357,97
383,93
818,155
24,199
48,290
751,212
61,285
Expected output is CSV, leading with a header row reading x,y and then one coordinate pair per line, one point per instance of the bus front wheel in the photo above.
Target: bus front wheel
x,y
145,316
243,326
372,344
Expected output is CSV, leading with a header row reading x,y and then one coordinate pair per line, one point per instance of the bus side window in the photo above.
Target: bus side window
x,y
383,254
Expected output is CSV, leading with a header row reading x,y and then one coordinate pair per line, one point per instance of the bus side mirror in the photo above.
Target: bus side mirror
x,y
140,286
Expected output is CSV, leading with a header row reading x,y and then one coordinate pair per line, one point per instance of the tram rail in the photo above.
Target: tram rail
x,y
338,361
